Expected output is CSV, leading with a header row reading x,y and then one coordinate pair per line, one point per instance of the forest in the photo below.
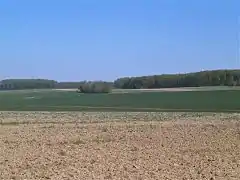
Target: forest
x,y
196,79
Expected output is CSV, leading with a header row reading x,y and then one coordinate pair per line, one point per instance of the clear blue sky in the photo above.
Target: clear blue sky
x,y
70,40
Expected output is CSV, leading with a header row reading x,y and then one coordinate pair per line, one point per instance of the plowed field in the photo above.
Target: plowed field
x,y
118,145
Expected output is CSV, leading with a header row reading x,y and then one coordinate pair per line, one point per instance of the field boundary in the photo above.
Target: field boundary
x,y
129,109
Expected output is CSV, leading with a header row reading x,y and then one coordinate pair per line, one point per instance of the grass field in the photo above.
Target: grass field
x,y
222,100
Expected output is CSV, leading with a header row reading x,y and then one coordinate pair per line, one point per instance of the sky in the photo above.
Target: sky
x,y
74,40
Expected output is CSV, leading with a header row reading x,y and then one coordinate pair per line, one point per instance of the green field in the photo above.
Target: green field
x,y
51,100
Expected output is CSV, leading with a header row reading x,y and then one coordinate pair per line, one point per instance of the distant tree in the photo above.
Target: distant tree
x,y
74,85
94,87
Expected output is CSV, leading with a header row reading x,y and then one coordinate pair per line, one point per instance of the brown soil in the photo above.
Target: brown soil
x,y
119,146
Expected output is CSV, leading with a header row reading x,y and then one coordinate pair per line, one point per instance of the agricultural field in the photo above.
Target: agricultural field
x,y
224,99
119,145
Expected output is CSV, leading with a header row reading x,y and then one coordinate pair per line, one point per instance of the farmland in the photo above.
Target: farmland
x,y
222,100
36,142
119,145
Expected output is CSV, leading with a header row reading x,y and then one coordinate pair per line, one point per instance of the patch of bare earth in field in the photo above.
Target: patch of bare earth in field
x,y
119,146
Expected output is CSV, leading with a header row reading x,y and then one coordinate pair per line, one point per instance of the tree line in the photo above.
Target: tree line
x,y
82,86
196,79
17,84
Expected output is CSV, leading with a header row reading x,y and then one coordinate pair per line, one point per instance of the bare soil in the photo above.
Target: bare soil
x,y
119,146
